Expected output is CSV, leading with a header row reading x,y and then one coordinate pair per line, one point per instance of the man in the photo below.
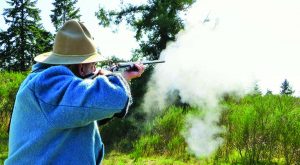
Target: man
x,y
56,108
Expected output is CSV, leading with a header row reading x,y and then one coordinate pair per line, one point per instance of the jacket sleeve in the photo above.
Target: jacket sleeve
x,y
68,101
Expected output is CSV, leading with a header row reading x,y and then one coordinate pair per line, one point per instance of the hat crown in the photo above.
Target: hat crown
x,y
73,39
73,44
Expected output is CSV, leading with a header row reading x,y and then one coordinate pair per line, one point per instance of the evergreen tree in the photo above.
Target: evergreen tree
x,y
286,89
155,23
4,49
256,89
25,36
63,11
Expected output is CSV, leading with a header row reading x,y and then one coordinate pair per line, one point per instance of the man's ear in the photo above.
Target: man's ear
x,y
80,70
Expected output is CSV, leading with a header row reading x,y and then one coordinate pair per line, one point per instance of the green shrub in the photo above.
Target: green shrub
x,y
119,135
263,129
163,136
10,82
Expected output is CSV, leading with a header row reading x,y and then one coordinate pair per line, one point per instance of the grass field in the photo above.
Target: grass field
x,y
123,159
117,158
114,158
3,150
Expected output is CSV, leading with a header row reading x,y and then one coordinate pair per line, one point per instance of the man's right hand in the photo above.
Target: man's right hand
x,y
129,75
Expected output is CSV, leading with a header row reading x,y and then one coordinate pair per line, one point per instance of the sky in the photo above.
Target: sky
x,y
265,33
258,37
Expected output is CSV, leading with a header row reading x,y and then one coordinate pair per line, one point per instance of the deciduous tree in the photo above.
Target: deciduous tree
x,y
155,23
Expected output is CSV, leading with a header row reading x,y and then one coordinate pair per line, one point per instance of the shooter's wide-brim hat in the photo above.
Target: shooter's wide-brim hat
x,y
73,44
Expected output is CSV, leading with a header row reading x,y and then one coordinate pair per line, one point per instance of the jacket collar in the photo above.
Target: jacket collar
x,y
38,67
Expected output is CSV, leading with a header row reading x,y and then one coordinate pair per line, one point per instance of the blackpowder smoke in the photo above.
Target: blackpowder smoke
x,y
226,47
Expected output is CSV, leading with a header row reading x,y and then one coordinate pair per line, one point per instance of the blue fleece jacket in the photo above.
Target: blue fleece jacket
x,y
55,113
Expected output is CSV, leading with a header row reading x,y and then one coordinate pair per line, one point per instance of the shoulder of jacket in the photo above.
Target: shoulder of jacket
x,y
57,70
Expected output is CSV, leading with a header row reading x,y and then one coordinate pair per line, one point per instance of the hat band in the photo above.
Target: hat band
x,y
76,55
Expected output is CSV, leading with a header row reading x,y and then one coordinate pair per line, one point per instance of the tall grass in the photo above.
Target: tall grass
x,y
10,82
163,136
262,129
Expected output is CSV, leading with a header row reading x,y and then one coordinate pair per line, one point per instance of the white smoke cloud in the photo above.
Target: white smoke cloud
x,y
227,45
201,135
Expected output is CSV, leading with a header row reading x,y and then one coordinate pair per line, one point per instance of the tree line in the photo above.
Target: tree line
x,y
154,23
285,89
26,37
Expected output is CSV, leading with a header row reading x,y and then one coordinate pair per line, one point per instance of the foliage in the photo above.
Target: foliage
x,y
262,129
122,159
3,155
269,92
64,10
256,90
10,82
118,134
163,136
286,89
155,23
25,36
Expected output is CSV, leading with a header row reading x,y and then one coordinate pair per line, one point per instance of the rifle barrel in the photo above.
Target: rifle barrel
x,y
153,62
126,64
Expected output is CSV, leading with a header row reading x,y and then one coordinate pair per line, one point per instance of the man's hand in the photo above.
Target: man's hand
x,y
103,72
128,75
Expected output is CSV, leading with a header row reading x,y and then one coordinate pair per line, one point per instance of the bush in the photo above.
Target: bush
x,y
163,136
10,82
263,129
119,135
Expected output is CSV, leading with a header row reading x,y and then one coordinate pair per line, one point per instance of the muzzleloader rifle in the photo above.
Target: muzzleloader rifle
x,y
129,66
125,66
